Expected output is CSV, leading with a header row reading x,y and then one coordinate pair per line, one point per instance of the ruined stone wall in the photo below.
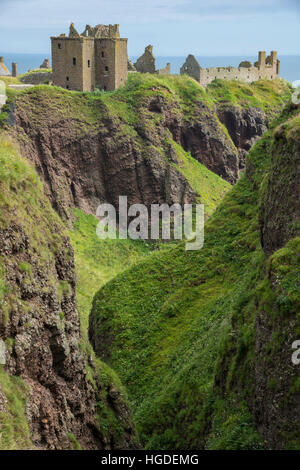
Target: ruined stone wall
x,y
264,68
243,74
37,78
3,69
14,69
166,70
45,64
191,67
146,63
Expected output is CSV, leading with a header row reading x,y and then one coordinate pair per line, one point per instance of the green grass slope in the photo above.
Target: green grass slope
x,y
125,102
180,329
209,187
98,261
268,95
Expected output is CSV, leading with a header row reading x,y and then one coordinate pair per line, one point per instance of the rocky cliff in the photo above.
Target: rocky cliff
x,y
276,405
280,211
88,148
210,333
245,127
63,401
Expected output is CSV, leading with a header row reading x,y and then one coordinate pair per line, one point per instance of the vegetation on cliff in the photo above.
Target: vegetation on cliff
x,y
268,95
172,326
40,327
139,128
202,340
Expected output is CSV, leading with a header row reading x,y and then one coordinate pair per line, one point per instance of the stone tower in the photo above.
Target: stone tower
x,y
14,69
95,58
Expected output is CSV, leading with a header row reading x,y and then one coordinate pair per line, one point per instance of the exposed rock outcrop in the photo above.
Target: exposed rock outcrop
x,y
280,210
81,171
105,161
245,126
86,152
210,145
40,326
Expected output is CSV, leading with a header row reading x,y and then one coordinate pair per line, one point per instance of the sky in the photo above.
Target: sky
x,y
174,27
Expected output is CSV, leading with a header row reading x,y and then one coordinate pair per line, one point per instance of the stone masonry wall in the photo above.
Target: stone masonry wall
x,y
88,69
146,63
248,75
105,68
65,73
267,68
121,58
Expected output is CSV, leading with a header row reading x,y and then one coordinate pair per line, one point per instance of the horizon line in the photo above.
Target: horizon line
x,y
169,55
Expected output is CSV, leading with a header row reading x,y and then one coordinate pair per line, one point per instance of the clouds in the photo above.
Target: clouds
x,y
39,13
174,26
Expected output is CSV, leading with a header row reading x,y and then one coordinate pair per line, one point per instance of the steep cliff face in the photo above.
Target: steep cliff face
x,y
39,325
246,110
277,405
245,127
197,130
208,143
88,148
280,210
210,333
82,165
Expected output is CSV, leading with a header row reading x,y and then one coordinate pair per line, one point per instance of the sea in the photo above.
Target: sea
x,y
289,64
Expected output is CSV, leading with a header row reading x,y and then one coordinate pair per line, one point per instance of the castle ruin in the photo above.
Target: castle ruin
x,y
265,68
96,58
146,63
